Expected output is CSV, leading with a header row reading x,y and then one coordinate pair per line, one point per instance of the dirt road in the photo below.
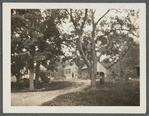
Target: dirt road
x,y
37,98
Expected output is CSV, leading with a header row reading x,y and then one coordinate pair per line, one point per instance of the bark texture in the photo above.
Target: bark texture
x,y
37,75
31,76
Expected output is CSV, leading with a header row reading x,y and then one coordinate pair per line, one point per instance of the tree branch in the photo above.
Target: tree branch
x,y
23,24
98,58
105,34
102,17
128,30
74,24
82,53
28,27
84,20
80,40
118,10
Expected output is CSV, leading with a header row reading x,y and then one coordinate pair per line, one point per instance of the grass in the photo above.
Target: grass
x,y
122,93
55,85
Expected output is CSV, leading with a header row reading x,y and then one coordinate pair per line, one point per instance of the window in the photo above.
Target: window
x,y
102,74
97,73
68,71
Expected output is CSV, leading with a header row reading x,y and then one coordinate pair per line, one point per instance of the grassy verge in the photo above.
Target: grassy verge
x,y
122,93
55,85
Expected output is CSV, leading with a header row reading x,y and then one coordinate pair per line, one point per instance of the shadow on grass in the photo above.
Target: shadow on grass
x,y
123,93
56,85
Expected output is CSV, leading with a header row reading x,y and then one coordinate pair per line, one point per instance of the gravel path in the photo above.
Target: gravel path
x,y
37,98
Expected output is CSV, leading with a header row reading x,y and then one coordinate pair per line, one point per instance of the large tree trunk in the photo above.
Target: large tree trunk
x,y
94,70
31,76
94,64
37,75
17,81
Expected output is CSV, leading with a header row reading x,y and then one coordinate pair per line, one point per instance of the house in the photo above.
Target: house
x,y
101,69
128,66
42,68
136,70
69,70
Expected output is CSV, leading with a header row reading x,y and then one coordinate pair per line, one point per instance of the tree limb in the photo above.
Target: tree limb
x,y
118,10
28,27
98,58
23,24
74,24
84,20
128,30
82,53
102,17
80,40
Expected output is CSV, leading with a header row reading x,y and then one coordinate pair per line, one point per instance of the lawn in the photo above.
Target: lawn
x,y
122,93
55,85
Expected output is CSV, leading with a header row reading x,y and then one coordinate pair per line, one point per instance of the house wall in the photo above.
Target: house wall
x,y
127,64
84,73
42,68
121,70
115,68
100,68
71,71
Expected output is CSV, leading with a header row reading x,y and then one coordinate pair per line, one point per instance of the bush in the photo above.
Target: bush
x,y
24,83
13,84
59,78
25,80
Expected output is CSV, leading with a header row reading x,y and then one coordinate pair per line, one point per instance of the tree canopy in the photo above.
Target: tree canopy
x,y
38,36
35,38
108,35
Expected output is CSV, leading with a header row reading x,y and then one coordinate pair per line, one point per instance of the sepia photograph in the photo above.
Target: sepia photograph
x,y
86,56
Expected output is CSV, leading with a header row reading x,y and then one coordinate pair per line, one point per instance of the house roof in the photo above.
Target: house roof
x,y
105,64
63,65
109,65
85,67
42,67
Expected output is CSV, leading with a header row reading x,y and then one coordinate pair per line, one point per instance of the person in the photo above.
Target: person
x,y
113,76
102,78
122,73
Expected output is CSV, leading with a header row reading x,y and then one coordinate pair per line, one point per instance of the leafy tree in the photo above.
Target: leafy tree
x,y
23,27
111,36
39,37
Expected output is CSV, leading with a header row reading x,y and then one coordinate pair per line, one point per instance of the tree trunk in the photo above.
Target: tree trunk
x,y
31,76
17,81
94,70
37,75
94,64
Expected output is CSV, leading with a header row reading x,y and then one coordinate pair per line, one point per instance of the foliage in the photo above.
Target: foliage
x,y
109,35
35,37
112,34
38,36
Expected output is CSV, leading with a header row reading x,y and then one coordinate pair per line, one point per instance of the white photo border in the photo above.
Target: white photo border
x,y
7,108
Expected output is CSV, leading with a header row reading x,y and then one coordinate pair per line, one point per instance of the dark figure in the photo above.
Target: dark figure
x,y
122,72
113,76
